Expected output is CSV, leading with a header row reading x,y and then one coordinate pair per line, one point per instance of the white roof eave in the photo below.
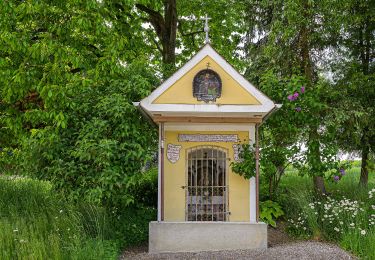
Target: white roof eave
x,y
211,110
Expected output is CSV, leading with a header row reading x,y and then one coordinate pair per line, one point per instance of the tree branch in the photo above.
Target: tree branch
x,y
157,44
179,25
154,18
191,33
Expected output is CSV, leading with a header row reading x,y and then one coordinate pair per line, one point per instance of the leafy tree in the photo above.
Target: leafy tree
x,y
176,26
69,73
288,39
281,134
354,74
165,27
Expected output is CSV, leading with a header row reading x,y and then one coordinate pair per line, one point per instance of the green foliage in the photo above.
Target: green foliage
x,y
144,187
287,49
69,75
280,137
135,225
245,166
284,132
101,149
270,211
226,29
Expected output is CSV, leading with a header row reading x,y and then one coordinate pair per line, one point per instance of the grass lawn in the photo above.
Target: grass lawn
x,y
345,216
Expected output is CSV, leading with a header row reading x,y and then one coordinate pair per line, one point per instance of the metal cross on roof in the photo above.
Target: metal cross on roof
x,y
206,28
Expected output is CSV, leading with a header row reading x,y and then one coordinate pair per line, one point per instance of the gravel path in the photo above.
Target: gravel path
x,y
280,247
296,250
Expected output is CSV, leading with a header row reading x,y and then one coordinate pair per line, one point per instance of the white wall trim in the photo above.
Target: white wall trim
x,y
252,134
252,180
252,200
209,108
159,176
206,127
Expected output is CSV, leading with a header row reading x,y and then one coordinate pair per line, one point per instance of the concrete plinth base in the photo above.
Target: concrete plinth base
x,y
206,236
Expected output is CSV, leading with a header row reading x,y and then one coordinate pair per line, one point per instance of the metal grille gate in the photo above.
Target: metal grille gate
x,y
207,191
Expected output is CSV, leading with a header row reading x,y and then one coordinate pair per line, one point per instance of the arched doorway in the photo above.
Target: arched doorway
x,y
206,184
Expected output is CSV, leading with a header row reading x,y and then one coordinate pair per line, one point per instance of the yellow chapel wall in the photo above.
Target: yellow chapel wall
x,y
175,175
181,91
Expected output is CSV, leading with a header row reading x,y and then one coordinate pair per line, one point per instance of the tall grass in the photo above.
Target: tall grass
x,y
344,216
37,223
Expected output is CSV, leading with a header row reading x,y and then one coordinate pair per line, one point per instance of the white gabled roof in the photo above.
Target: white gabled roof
x,y
209,109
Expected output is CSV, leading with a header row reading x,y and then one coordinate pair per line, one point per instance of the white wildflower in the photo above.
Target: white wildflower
x,y
363,232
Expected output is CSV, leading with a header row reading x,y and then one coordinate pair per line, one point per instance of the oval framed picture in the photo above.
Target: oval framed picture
x,y
207,86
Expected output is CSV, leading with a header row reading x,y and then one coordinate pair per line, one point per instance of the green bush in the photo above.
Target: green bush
x,y
270,211
133,225
144,188
245,166
105,144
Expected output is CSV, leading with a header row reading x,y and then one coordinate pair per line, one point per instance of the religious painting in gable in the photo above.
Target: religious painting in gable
x,y
207,86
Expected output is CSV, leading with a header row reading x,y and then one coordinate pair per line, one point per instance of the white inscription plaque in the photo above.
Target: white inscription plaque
x,y
173,152
207,138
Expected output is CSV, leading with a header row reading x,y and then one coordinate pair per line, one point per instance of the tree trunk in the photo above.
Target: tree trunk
x,y
166,30
363,181
276,180
169,36
364,43
319,185
313,156
270,187
315,162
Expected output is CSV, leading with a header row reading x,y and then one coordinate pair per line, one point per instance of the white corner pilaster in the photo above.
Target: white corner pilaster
x,y
253,202
159,176
252,187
